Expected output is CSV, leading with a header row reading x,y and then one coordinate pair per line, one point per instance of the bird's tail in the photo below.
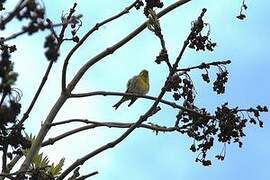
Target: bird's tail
x,y
123,99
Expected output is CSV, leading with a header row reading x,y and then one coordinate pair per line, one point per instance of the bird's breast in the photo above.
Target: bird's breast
x,y
144,87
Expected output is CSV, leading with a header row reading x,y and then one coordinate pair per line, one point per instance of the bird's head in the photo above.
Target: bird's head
x,y
144,74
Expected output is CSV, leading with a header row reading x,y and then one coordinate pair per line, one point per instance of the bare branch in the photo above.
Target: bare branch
x,y
13,36
186,42
87,176
111,49
12,163
61,35
153,24
205,65
50,27
42,83
70,121
107,93
21,4
95,28
95,124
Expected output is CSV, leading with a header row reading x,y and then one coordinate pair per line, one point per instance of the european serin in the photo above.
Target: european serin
x,y
139,85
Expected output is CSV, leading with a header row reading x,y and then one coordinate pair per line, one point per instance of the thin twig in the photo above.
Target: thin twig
x,y
42,83
61,35
70,121
107,93
50,26
12,14
15,35
186,42
163,45
204,65
95,28
95,124
87,176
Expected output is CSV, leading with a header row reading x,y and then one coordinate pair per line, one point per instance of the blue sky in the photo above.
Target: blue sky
x,y
143,155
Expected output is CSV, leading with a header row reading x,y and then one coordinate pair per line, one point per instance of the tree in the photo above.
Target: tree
x,y
225,124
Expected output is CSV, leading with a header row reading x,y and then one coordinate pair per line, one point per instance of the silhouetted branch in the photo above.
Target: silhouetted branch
x,y
87,176
95,124
13,13
61,35
42,83
107,93
205,65
153,24
50,26
12,163
15,35
95,28
111,49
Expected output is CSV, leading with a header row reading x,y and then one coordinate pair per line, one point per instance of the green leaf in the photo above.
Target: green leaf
x,y
56,170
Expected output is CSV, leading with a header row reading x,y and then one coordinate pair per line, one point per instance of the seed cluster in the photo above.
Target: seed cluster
x,y
51,44
10,108
150,4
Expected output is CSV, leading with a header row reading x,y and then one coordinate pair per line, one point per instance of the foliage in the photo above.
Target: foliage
x,y
40,167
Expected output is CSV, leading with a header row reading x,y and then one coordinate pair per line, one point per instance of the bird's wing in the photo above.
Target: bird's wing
x,y
131,85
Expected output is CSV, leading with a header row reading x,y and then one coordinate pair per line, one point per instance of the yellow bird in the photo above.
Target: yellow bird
x,y
139,85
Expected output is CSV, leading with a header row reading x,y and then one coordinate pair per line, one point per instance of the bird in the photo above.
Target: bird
x,y
138,85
